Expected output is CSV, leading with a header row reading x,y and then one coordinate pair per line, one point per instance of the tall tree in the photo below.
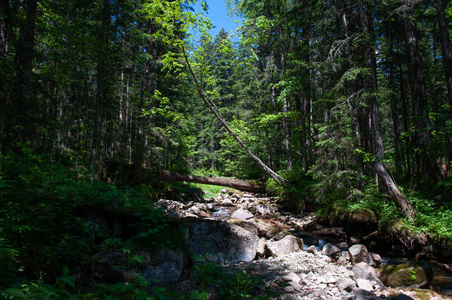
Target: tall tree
x,y
425,168
445,45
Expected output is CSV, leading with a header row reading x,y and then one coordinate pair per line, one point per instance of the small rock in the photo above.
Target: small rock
x,y
330,280
291,276
367,268
344,258
358,253
347,284
312,249
362,294
323,286
342,245
364,284
289,289
376,259
280,235
264,210
261,247
227,202
331,251
242,214
285,246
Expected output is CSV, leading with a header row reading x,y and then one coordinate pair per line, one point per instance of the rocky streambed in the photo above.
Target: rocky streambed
x,y
296,257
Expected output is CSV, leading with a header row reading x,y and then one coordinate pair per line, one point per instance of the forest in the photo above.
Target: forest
x,y
331,105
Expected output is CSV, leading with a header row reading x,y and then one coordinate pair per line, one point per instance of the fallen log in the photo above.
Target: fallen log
x,y
241,185
403,205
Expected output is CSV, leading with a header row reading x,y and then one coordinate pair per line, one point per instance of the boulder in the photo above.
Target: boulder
x,y
365,271
376,258
280,235
311,249
363,216
416,275
248,225
285,246
344,258
342,245
199,210
242,214
368,268
167,266
261,246
224,242
364,284
331,251
346,284
358,253
261,226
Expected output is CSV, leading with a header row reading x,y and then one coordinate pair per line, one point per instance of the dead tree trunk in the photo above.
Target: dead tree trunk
x,y
218,115
242,185
402,204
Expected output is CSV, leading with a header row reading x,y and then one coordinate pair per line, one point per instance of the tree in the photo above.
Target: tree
x,y
418,92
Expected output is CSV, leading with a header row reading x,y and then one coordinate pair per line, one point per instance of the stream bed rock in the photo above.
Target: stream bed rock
x,y
295,257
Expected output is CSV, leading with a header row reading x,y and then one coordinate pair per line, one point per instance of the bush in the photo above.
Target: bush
x,y
298,191
50,218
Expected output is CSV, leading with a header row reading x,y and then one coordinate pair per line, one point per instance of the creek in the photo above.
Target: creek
x,y
250,231
441,273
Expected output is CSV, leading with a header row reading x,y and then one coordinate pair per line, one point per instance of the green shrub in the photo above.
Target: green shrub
x,y
298,191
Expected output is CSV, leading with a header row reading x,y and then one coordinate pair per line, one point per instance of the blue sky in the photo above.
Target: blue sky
x,y
218,14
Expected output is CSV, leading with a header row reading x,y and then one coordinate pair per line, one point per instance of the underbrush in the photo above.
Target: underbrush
x,y
55,224
297,193
53,218
225,283
433,219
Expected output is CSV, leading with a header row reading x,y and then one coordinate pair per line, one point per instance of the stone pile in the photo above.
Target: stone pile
x,y
248,232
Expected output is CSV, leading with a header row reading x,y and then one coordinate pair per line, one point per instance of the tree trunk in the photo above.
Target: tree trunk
x,y
217,114
402,204
418,93
242,185
24,59
445,45
395,124
4,28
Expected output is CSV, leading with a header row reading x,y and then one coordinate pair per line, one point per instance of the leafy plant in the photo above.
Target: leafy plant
x,y
230,284
41,290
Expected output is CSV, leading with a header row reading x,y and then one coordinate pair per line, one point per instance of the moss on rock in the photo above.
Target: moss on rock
x,y
406,275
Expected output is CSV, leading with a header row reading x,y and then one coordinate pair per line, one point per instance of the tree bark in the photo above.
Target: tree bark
x,y
242,185
4,30
402,204
24,59
445,45
418,94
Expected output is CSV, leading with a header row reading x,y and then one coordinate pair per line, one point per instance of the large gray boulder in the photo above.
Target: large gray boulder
x,y
220,242
167,267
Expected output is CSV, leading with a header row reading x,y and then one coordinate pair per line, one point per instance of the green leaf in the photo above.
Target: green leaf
x,y
16,292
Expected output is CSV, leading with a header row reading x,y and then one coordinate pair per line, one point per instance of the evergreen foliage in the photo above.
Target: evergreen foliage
x,y
96,94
